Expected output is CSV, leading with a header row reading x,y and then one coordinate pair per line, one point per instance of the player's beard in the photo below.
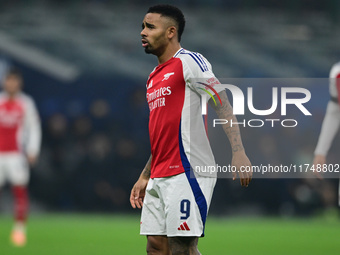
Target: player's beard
x,y
148,49
155,51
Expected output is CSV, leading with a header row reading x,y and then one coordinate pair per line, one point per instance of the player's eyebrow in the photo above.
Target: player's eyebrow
x,y
148,25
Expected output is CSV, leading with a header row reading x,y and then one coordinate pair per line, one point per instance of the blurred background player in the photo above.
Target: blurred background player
x,y
20,137
331,122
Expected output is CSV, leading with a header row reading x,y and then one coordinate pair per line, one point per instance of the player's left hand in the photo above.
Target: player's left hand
x,y
243,168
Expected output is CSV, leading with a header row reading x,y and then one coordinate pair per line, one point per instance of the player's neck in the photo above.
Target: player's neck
x,y
168,53
12,95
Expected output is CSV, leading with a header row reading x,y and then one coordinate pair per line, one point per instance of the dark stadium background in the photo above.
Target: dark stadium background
x,y
83,63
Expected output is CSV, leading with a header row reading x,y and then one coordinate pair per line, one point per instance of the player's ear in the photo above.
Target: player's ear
x,y
172,32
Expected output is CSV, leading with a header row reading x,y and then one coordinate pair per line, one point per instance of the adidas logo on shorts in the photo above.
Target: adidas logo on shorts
x,y
184,226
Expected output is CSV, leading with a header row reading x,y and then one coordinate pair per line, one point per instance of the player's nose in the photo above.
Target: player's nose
x,y
142,33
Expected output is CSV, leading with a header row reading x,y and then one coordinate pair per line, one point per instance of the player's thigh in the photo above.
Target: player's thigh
x,y
157,244
17,170
207,185
153,216
186,200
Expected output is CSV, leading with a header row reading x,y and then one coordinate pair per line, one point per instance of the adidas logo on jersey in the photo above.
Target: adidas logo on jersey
x,y
167,76
184,226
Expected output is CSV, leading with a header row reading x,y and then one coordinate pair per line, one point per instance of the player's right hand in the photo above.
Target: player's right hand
x,y
138,193
318,160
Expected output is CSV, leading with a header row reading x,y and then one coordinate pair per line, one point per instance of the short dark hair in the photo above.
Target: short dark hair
x,y
171,12
13,71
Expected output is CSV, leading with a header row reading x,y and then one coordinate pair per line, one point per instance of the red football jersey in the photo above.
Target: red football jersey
x,y
177,134
19,125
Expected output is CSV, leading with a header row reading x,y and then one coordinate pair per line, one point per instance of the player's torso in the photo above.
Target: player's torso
x,y
165,97
165,91
12,112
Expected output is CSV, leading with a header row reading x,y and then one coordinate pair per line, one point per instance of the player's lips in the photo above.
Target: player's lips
x,y
144,42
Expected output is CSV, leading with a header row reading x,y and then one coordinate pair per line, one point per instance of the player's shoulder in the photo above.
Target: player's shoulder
x,y
335,70
193,59
25,98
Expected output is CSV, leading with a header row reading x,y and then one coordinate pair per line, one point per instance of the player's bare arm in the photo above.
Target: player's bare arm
x,y
138,190
239,157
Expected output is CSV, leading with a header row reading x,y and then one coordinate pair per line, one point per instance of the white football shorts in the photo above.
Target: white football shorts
x,y
14,169
177,205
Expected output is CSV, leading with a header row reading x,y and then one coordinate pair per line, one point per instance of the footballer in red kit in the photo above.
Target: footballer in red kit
x,y
174,199
331,122
20,137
